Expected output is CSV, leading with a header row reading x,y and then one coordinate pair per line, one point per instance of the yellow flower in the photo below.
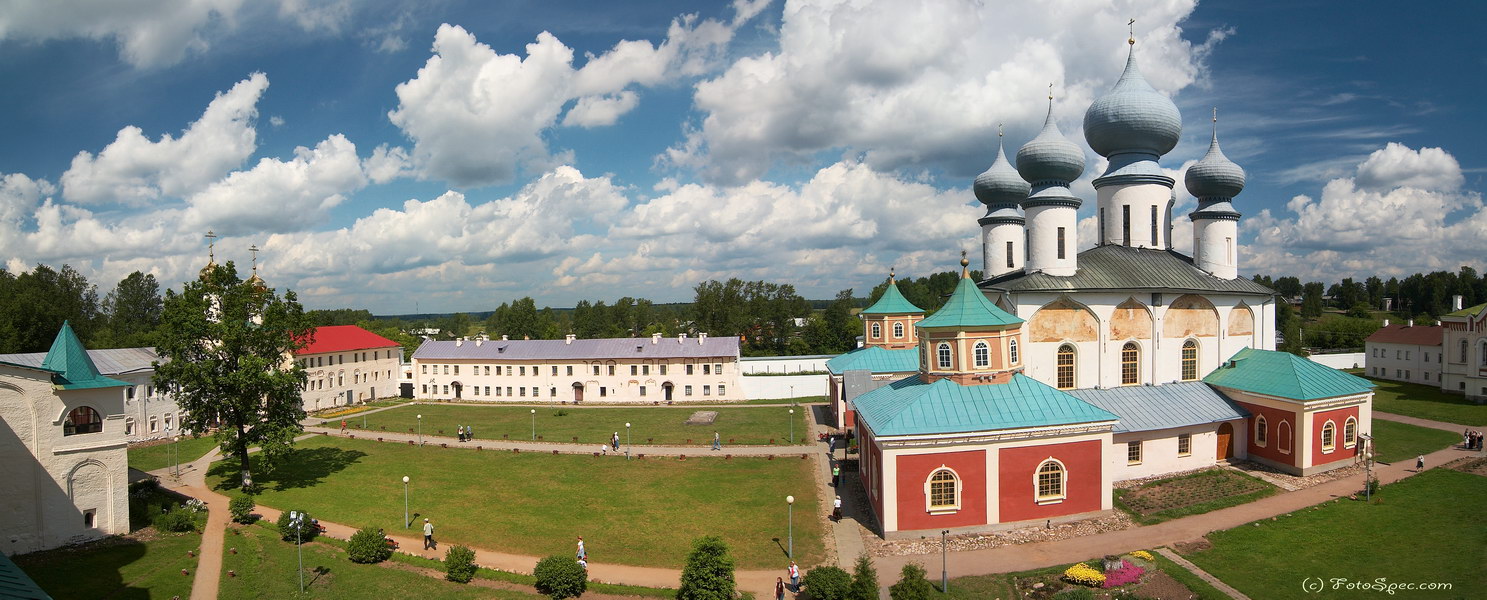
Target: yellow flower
x,y
1143,555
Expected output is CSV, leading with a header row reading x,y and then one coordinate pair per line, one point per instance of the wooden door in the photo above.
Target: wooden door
x,y
1226,442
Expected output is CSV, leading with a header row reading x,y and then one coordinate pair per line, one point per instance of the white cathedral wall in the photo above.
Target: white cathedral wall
x,y
1214,247
1140,197
994,239
1042,239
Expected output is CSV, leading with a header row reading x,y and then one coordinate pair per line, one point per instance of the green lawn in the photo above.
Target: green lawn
x,y
159,456
1394,441
644,512
1426,528
1207,490
1426,402
265,567
594,425
116,568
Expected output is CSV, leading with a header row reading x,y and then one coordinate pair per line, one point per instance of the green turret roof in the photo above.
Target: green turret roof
x,y
74,370
968,307
876,359
912,407
892,303
1284,375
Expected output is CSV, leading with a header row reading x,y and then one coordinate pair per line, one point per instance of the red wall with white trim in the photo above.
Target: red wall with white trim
x,y
1339,419
1082,480
913,473
1273,418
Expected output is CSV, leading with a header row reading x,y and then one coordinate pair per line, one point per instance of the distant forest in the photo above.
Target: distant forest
x,y
772,318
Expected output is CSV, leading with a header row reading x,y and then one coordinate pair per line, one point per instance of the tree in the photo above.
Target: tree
x,y
560,576
34,305
459,564
864,580
827,583
1311,300
133,312
225,346
708,574
911,584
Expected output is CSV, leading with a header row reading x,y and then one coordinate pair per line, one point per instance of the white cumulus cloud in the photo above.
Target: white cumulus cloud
x,y
279,195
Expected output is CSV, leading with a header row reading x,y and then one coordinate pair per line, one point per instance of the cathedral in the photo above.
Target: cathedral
x,y
1029,393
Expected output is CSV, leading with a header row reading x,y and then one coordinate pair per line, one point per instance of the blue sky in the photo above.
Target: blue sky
x,y
462,154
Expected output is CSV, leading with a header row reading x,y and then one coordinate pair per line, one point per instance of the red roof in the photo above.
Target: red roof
x,y
342,338
1419,335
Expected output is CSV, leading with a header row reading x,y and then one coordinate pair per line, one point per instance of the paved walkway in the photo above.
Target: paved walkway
x,y
703,450
1204,575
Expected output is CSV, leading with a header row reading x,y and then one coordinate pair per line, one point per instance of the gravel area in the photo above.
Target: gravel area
x,y
978,541
1291,483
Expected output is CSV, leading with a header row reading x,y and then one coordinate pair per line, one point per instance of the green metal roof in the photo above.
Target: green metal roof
x,y
69,360
1116,267
14,583
1468,311
892,302
876,359
968,307
912,407
1284,375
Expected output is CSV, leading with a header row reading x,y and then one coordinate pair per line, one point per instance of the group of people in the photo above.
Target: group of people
x,y
793,572
583,555
1472,439
465,433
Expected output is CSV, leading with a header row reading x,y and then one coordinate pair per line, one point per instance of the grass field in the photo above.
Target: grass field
x,y
1426,402
1190,494
160,455
265,567
594,425
116,568
643,512
1394,442
1426,528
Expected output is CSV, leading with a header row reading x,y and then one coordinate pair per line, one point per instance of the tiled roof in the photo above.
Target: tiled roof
x,y
1468,311
1153,407
1284,375
342,338
580,349
109,361
1419,335
968,307
892,302
1115,267
875,359
912,407
69,360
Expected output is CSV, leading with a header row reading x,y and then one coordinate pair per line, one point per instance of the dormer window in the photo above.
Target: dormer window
x,y
981,353
942,356
82,420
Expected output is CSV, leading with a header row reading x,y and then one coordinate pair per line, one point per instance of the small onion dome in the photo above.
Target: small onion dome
x,y
1050,156
1214,176
207,270
257,283
1133,117
1000,184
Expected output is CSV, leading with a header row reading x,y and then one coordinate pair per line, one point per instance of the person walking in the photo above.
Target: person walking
x,y
469,433
779,588
428,535
794,573
831,446
343,426
459,432
1419,463
581,553
615,441
717,441
836,509
584,562
836,474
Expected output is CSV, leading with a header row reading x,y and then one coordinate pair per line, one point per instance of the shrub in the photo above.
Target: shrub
x,y
1126,573
560,576
175,520
827,583
864,580
1084,574
367,546
241,509
708,574
307,530
459,564
911,584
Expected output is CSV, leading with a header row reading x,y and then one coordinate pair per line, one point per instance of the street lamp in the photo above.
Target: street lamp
x,y
792,426
944,572
1367,467
420,430
405,502
790,519
628,445
534,424
175,449
297,519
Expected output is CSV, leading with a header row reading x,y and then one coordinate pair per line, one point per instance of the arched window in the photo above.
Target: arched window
x,y
943,490
942,353
1283,431
1350,433
1189,360
1463,352
1012,351
1329,436
898,330
982,354
129,426
1260,431
1482,354
1130,364
877,331
1065,367
82,420
1050,481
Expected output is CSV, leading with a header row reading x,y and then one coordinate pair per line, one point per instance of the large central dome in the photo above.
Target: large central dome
x,y
1133,117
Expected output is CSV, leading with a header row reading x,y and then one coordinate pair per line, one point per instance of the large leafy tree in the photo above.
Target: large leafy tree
x,y
33,306
226,346
133,311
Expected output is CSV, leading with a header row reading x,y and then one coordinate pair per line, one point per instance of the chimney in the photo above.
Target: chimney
x,y
459,342
1386,322
1456,302
568,339
655,338
479,341
1410,323
1437,323
505,337
701,338
681,338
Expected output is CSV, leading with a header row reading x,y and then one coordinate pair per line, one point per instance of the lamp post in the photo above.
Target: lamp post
x,y
628,444
534,424
297,519
175,449
1367,467
944,572
420,431
405,502
792,426
790,521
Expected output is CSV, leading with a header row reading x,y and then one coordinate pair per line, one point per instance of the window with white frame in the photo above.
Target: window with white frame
x,y
877,331
1012,351
942,354
942,491
1190,360
1184,444
1350,433
898,330
1130,364
1065,379
1048,481
1261,434
1329,437
1133,453
982,354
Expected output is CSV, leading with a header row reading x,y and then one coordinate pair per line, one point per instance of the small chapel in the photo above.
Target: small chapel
x,y
1029,393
